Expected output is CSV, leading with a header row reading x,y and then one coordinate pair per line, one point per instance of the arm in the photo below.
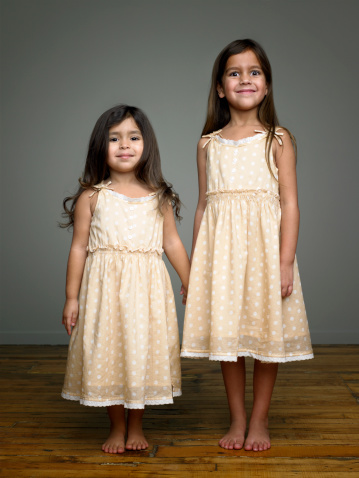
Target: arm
x,y
77,258
202,189
174,249
286,162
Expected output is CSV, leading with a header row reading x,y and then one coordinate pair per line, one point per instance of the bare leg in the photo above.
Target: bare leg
x,y
234,376
135,437
264,377
115,442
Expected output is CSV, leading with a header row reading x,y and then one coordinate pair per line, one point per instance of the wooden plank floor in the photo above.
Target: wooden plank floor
x,y
314,423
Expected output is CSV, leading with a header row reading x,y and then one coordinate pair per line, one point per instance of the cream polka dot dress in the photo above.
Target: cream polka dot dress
x,y
234,306
124,349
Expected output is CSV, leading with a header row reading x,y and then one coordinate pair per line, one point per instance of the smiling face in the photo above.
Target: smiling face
x,y
125,146
243,83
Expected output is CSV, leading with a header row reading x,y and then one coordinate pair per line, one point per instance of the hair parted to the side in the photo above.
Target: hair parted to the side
x,y
147,171
218,114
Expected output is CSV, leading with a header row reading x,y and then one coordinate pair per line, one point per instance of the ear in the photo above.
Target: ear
x,y
220,91
266,89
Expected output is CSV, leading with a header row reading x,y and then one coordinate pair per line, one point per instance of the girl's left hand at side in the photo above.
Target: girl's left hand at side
x,y
70,314
286,276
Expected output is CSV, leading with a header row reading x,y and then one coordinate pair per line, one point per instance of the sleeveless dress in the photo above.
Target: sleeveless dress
x,y
124,349
234,304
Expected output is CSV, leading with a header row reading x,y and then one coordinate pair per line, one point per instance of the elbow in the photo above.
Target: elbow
x,y
291,205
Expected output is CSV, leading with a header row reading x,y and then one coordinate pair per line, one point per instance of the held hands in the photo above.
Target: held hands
x,y
286,275
184,293
70,314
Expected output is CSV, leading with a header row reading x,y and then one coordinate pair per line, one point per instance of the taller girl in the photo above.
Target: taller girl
x,y
245,297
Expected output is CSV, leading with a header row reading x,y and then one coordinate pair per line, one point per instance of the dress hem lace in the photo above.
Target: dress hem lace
x,y
109,403
231,358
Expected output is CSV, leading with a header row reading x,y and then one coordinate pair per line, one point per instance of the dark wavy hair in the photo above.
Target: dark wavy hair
x,y
147,171
218,114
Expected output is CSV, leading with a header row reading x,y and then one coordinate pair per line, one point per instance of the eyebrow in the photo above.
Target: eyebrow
x,y
238,68
135,131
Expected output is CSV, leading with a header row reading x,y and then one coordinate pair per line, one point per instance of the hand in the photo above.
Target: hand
x,y
286,278
70,314
184,293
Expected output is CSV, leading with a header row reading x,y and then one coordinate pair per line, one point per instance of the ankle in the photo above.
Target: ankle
x,y
260,420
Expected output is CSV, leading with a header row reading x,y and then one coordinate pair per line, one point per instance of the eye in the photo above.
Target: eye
x,y
112,140
255,73
234,73
135,138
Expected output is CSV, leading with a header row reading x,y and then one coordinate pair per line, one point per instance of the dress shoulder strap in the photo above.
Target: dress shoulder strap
x,y
99,187
210,136
276,134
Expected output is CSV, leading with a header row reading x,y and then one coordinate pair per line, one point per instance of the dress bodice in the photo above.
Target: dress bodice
x,y
125,224
239,165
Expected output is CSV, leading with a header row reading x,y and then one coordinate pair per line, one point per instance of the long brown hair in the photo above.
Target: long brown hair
x,y
218,114
147,171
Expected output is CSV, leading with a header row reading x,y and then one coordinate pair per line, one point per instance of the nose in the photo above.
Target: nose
x,y
124,144
245,79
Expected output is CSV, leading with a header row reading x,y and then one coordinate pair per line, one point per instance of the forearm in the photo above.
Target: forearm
x,y
289,233
178,257
75,268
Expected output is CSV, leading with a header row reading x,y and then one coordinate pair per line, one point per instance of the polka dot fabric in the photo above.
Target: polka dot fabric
x,y
234,306
124,349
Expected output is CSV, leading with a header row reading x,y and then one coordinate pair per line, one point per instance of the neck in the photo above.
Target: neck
x,y
123,178
241,118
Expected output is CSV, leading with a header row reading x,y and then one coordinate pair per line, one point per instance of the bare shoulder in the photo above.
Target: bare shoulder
x,y
85,203
284,143
201,144
284,133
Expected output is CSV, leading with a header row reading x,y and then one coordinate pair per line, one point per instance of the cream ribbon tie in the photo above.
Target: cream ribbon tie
x,y
276,135
99,188
210,136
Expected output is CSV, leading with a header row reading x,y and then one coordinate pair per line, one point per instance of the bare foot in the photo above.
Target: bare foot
x,y
115,442
135,438
234,438
258,436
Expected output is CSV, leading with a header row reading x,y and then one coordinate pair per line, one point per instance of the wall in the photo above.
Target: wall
x,y
65,62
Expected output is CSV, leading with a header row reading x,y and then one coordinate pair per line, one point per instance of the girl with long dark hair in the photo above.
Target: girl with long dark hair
x,y
120,310
245,297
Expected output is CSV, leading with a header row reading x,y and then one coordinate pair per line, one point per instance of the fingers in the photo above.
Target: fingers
x,y
287,290
69,322
184,293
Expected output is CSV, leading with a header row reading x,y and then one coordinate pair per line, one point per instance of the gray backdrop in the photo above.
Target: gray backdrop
x,y
66,62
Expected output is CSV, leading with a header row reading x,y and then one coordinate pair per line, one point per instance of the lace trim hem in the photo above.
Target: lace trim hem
x,y
231,358
109,403
124,250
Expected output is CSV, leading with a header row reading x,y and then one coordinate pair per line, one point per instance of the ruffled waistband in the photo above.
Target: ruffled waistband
x,y
124,250
246,194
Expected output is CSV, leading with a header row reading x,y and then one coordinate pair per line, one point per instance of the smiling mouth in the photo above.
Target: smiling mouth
x,y
246,91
